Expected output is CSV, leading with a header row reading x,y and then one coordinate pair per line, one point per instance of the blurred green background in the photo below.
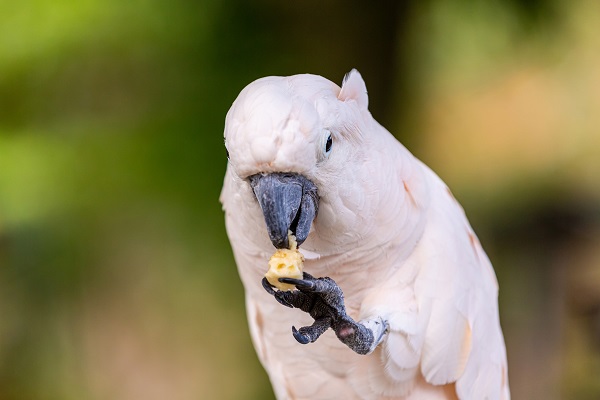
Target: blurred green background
x,y
116,277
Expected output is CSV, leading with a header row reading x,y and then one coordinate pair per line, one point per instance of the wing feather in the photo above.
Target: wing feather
x,y
463,340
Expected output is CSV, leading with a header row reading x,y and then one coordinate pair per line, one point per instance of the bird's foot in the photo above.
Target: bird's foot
x,y
323,300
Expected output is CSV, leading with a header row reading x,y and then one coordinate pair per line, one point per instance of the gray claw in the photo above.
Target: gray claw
x,y
279,296
299,337
268,287
299,283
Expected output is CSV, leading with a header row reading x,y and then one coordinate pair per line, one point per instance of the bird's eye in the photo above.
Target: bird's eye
x,y
227,152
328,144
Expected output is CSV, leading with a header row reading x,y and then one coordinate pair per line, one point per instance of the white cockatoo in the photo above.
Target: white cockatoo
x,y
392,264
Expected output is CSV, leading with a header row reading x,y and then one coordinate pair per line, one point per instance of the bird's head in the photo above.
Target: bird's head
x,y
294,139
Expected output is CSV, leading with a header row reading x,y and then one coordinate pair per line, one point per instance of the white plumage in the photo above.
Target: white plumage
x,y
388,231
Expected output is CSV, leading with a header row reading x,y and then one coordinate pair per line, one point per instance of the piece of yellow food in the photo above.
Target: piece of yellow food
x,y
285,263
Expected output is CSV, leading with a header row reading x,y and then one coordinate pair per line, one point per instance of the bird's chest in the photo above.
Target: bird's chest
x,y
318,370
355,273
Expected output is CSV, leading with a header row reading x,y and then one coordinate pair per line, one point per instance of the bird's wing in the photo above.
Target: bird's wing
x,y
441,304
463,341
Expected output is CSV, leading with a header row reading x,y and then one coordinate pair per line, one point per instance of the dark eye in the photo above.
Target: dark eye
x,y
227,152
328,144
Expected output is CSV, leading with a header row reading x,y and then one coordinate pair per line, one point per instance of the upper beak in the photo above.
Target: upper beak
x,y
288,202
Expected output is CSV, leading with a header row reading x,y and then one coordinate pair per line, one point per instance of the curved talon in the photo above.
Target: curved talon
x,y
299,283
268,287
299,337
279,296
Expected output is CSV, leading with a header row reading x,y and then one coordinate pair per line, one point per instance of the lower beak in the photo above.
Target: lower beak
x,y
288,202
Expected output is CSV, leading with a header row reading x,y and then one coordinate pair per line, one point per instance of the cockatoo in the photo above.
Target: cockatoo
x,y
398,299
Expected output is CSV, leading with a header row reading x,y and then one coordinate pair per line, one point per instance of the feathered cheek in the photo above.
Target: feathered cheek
x,y
335,218
326,216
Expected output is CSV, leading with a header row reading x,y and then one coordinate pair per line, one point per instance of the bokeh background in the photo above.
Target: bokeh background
x,y
116,277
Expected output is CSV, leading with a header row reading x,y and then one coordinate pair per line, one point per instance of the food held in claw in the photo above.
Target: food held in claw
x,y
285,263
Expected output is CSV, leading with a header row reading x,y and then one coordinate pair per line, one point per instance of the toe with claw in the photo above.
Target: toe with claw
x,y
323,300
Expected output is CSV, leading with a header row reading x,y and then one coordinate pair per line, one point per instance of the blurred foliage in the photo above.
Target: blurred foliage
x,y
116,277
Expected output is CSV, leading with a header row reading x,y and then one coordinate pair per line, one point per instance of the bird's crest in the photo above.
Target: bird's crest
x,y
354,88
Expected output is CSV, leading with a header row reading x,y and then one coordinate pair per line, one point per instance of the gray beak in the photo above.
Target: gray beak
x,y
288,202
